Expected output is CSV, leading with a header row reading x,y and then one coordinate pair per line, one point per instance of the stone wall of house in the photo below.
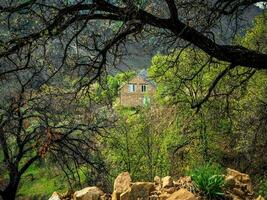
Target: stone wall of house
x,y
128,98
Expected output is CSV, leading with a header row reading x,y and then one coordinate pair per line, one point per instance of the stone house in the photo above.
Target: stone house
x,y
138,91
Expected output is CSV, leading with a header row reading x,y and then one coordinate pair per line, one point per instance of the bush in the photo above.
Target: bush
x,y
263,189
209,180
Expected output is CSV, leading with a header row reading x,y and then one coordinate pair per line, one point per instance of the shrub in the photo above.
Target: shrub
x,y
209,180
263,189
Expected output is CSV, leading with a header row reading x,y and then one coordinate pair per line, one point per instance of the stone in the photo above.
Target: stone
x,y
67,195
230,181
240,177
238,192
182,194
125,195
115,196
138,190
167,182
238,184
236,198
122,182
105,197
260,198
153,197
157,180
88,193
169,190
55,196
164,196
141,190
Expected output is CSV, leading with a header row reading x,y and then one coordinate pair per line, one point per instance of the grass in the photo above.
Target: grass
x,y
209,180
39,181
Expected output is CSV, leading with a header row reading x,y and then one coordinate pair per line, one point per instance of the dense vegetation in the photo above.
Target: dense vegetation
x,y
62,127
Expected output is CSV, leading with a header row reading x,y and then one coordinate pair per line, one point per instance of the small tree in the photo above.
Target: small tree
x,y
52,121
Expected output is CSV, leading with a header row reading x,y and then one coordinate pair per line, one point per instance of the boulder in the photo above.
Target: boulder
x,y
238,185
121,184
182,194
55,196
260,198
138,190
167,182
230,181
238,175
89,193
240,179
163,196
169,190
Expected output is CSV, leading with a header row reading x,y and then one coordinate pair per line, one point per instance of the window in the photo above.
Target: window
x,y
131,87
143,88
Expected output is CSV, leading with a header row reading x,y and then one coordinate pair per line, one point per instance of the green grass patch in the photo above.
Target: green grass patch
x,y
41,181
209,180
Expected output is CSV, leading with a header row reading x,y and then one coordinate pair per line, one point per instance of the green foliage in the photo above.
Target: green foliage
x,y
263,188
139,144
256,37
184,76
171,137
109,88
209,179
41,181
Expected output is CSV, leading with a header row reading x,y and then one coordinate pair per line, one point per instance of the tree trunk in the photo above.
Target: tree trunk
x,y
10,191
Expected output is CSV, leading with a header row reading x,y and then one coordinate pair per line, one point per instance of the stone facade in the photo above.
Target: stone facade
x,y
138,97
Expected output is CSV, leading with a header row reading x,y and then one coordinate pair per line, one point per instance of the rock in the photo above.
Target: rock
x,y
230,181
239,177
157,180
138,190
182,194
153,197
67,195
238,192
238,185
169,190
89,193
122,182
55,196
125,196
163,196
236,198
115,195
186,183
106,197
167,182
141,190
260,198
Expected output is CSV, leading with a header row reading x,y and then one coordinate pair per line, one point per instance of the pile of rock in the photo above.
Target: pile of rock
x,y
88,193
239,187
161,189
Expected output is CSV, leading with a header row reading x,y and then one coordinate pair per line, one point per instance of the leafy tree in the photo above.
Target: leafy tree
x,y
44,42
137,143
226,99
46,123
